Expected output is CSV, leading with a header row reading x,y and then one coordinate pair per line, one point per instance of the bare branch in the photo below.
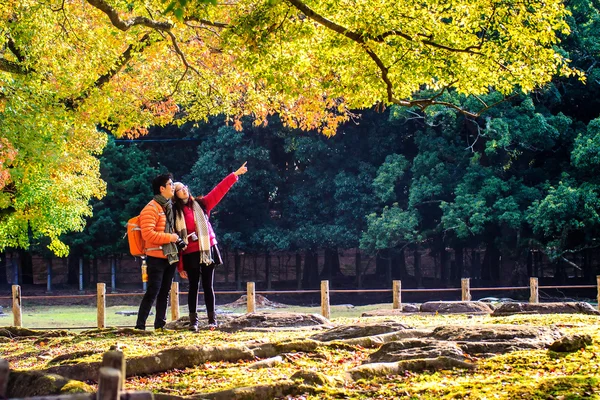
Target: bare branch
x,y
125,25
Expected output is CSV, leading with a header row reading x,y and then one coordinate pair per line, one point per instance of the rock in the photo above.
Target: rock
x,y
311,378
36,383
358,330
404,308
274,320
412,349
183,323
461,343
495,333
260,301
458,307
571,343
269,362
545,308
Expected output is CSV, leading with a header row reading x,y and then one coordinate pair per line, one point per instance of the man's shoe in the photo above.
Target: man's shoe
x,y
163,329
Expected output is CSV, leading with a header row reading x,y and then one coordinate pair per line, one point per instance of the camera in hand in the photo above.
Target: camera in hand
x,y
180,244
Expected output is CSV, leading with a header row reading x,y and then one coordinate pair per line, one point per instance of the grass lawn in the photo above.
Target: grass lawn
x,y
530,375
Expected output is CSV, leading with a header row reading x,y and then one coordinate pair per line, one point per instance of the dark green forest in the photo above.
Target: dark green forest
x,y
513,190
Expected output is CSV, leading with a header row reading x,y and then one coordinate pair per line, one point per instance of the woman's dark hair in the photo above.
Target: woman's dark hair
x,y
159,181
178,203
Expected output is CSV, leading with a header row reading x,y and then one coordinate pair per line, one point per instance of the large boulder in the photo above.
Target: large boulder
x,y
544,308
456,307
284,320
358,330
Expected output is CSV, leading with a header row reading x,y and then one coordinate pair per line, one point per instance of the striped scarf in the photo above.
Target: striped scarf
x,y
169,249
201,230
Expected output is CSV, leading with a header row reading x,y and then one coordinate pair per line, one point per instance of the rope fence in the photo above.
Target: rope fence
x,y
325,293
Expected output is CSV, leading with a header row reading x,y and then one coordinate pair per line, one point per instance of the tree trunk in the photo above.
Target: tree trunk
x,y
358,268
444,265
491,262
26,267
237,263
95,270
3,279
529,263
73,270
268,269
399,265
475,264
298,270
459,262
331,265
418,272
381,263
311,269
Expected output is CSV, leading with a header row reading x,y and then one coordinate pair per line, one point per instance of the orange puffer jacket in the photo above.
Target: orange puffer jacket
x,y
152,223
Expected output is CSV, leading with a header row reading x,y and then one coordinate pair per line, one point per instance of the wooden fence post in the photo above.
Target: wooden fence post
x,y
533,288
174,301
397,295
465,284
250,297
4,371
325,307
108,384
115,359
101,301
16,306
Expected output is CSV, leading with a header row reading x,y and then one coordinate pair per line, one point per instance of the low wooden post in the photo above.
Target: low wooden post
x,y
16,306
101,301
108,384
4,371
174,301
397,295
534,296
598,288
465,284
250,297
115,359
325,307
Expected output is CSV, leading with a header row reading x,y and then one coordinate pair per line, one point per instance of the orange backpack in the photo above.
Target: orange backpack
x,y
134,235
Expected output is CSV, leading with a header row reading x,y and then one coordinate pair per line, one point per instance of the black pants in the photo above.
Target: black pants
x,y
195,271
160,276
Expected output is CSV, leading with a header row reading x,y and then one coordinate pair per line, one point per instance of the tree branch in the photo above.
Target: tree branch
x,y
360,39
206,22
125,25
105,78
12,67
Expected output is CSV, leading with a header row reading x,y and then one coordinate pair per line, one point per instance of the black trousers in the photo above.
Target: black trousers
x,y
195,271
160,276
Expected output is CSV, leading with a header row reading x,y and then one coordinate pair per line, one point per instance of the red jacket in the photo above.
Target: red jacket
x,y
207,202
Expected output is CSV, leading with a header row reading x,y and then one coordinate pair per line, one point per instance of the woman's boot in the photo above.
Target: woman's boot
x,y
212,320
194,322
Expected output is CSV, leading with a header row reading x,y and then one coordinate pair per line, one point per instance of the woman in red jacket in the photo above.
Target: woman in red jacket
x,y
199,258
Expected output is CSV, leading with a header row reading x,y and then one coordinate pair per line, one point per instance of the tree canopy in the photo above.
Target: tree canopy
x,y
69,67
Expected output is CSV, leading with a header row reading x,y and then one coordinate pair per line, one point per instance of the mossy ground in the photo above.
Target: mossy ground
x,y
538,374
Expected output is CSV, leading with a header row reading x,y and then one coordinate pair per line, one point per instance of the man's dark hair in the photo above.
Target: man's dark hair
x,y
159,181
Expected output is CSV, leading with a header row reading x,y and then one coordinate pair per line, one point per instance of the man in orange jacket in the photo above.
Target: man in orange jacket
x,y
157,224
